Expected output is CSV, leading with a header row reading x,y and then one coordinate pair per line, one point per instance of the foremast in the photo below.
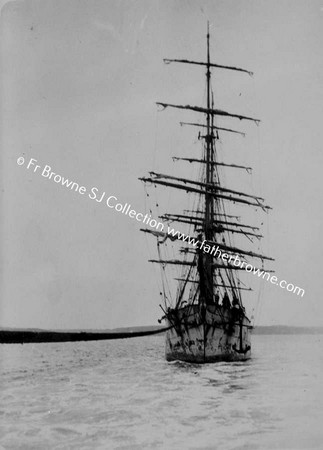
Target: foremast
x,y
205,260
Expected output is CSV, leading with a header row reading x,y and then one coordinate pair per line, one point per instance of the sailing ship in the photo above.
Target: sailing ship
x,y
206,321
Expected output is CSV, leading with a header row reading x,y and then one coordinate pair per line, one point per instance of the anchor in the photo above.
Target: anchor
x,y
241,350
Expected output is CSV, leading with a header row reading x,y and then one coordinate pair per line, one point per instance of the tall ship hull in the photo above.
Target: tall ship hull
x,y
199,336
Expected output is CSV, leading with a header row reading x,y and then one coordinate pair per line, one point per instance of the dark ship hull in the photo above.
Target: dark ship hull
x,y
207,335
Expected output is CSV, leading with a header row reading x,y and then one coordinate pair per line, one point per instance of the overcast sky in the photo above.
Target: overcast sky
x,y
79,81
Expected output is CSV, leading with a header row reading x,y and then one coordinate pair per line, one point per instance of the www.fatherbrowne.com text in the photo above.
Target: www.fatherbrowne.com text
x,y
235,261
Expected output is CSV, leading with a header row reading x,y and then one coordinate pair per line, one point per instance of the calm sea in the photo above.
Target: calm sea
x,y
122,394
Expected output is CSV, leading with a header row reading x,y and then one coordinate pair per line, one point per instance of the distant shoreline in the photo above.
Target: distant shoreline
x,y
29,335
285,329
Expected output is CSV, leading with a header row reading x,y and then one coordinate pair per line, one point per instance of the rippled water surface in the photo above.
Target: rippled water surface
x,y
122,394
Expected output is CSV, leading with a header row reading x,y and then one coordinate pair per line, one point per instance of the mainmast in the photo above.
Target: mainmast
x,y
206,260
209,142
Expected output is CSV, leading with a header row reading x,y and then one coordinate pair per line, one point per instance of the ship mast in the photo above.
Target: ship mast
x,y
208,139
209,199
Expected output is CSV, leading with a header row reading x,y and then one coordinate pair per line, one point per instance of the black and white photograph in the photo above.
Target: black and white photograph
x,y
161,215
